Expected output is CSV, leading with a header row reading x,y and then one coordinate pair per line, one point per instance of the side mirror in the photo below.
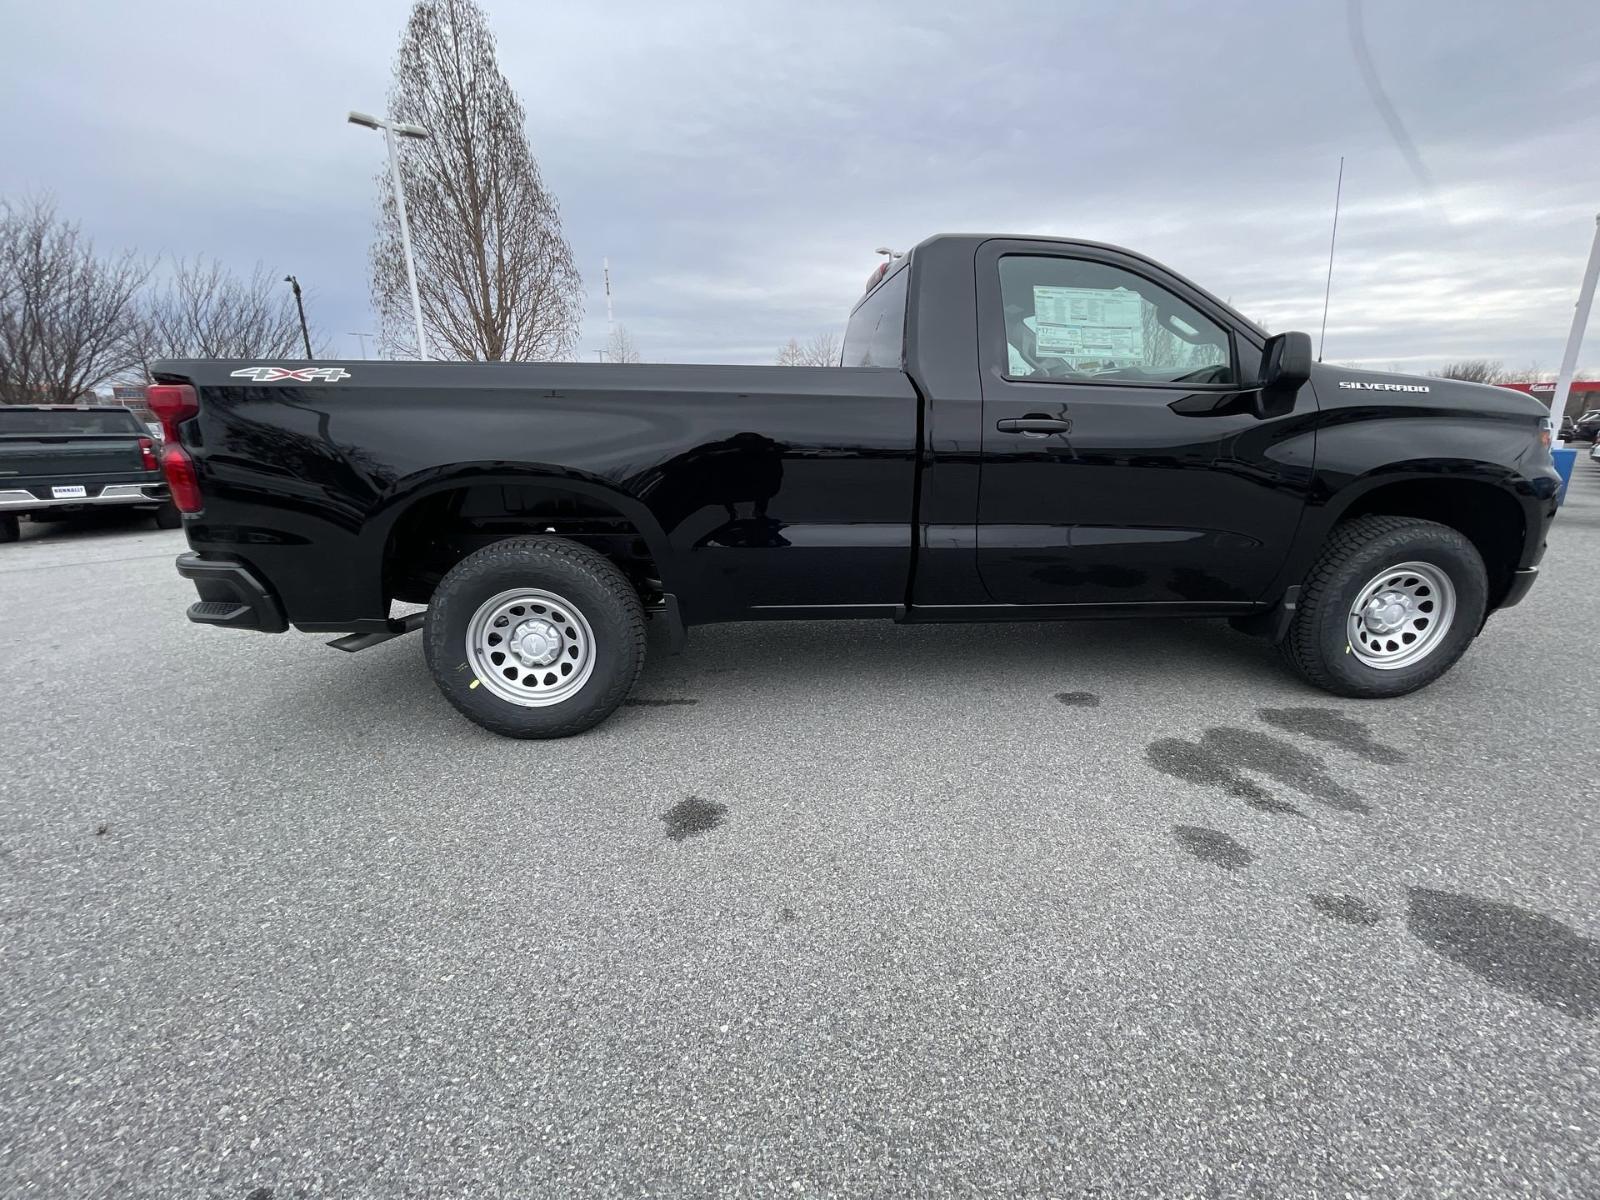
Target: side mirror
x,y
1287,361
1285,365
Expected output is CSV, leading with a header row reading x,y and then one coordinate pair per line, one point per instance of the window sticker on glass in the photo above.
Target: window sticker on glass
x,y
1101,326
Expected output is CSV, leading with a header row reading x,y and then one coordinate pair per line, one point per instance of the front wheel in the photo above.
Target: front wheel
x,y
535,637
1389,607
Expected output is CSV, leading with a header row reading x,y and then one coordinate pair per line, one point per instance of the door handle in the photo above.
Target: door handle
x,y
1034,425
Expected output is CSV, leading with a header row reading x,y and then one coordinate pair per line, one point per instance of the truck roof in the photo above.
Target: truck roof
x,y
976,239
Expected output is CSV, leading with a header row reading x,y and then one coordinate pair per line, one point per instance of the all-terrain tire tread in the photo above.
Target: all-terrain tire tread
x,y
615,590
1299,647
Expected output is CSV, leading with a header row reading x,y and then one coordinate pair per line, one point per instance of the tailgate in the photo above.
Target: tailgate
x,y
23,457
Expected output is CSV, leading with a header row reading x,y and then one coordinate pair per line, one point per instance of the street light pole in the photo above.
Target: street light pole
x,y
305,333
390,128
1580,321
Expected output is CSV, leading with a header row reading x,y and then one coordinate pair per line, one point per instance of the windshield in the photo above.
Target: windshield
x,y
57,421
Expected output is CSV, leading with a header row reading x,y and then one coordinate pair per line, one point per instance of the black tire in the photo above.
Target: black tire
x,y
10,531
1318,643
588,582
168,516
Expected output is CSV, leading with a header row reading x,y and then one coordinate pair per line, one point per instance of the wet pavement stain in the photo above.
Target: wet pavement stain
x,y
1345,908
1079,699
260,1193
1197,763
1331,726
665,702
1284,762
1511,948
692,817
1213,846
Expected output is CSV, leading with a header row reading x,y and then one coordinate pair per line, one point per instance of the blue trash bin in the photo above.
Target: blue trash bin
x,y
1565,459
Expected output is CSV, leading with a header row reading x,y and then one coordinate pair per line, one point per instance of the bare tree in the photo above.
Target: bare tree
x,y
1532,373
823,350
205,311
820,351
620,346
495,274
66,315
1475,370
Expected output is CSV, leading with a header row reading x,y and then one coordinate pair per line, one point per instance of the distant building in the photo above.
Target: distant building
x,y
1585,394
131,395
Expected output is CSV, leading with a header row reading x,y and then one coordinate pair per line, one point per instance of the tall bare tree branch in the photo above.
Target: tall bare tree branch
x,y
67,316
495,275
205,311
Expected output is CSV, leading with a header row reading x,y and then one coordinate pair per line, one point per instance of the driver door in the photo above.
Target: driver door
x,y
1124,463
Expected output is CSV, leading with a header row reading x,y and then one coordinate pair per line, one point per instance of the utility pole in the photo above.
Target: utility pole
x,y
300,304
610,322
361,336
1580,321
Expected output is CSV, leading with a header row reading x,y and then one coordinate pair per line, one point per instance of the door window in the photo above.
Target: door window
x,y
1074,320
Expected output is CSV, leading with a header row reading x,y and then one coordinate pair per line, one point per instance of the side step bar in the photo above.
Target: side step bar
x,y
351,642
668,610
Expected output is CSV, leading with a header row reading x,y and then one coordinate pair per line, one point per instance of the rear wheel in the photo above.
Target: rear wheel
x,y
168,516
1389,607
10,531
535,637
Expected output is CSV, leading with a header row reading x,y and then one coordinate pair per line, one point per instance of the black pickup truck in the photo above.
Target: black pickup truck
x,y
57,461
1021,429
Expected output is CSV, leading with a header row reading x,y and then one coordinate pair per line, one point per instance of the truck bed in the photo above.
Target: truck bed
x,y
806,474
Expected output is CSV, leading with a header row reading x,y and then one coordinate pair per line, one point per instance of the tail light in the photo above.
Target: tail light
x,y
147,452
178,467
174,403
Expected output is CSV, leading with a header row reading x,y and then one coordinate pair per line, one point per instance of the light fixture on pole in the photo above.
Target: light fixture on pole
x,y
300,304
390,129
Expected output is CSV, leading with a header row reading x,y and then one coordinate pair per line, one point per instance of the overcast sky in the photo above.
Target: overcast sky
x,y
738,162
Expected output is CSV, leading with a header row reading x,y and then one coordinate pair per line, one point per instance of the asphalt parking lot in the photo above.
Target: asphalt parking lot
x,y
830,909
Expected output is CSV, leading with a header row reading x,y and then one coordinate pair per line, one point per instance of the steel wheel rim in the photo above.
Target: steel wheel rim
x,y
530,647
1401,615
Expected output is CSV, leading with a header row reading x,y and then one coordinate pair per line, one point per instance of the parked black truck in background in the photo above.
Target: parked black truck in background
x,y
1023,429
58,461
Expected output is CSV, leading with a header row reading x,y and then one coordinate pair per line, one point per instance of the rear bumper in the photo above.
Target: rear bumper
x,y
22,500
230,595
1521,583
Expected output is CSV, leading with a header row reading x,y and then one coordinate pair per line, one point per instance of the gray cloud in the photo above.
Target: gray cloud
x,y
737,163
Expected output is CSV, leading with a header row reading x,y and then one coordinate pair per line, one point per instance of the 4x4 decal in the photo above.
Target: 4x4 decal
x,y
297,374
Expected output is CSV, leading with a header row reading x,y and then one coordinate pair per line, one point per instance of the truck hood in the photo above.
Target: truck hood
x,y
1341,387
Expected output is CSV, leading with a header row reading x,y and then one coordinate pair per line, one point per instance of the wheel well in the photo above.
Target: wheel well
x,y
442,528
1490,518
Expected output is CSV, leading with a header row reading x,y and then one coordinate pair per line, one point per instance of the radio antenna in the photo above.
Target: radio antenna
x,y
1327,291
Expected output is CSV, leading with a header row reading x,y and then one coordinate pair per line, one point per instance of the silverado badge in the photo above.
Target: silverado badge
x,y
1362,386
